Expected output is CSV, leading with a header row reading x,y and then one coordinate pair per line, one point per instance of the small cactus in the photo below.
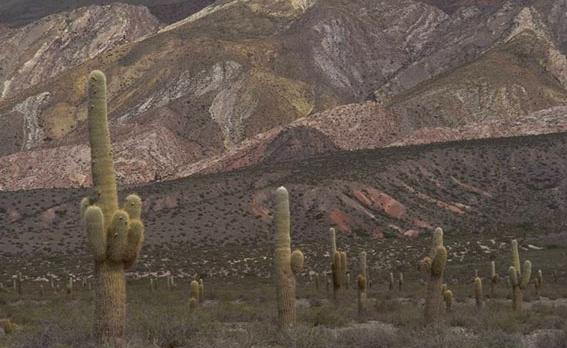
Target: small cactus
x,y
538,282
447,298
434,295
391,282
478,292
18,284
287,264
519,277
401,282
69,286
316,281
194,299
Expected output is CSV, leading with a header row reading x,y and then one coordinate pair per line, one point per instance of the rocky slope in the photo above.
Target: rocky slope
x,y
509,185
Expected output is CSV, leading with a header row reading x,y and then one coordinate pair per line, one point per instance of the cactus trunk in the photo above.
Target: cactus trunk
x,y
110,299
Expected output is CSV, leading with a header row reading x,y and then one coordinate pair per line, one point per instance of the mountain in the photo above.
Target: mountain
x,y
212,82
16,13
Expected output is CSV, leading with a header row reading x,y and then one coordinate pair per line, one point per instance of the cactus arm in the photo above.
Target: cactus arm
x,y
297,260
101,151
439,262
133,206
134,243
96,235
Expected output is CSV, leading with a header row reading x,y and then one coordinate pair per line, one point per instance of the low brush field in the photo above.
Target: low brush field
x,y
241,311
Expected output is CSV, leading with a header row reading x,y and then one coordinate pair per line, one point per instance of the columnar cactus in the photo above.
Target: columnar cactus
x,y
519,277
436,270
478,295
194,299
401,282
287,264
316,281
201,291
361,287
493,279
538,282
114,234
347,280
391,281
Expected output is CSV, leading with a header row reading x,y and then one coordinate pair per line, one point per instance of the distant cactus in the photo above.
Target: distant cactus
x,y
433,298
538,282
448,298
201,291
519,277
363,273
401,282
361,287
316,276
19,284
69,286
478,295
287,264
344,268
493,279
348,280
114,235
194,299
391,281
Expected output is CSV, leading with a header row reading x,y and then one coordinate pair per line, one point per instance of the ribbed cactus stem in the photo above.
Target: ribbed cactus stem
x,y
478,294
286,263
114,235
434,293
516,257
437,241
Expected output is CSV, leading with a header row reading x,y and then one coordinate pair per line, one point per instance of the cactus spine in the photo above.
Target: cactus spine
x,y
287,264
478,292
436,270
519,278
114,235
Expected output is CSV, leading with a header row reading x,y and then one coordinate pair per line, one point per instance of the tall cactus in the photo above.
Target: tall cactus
x,y
436,270
364,272
114,235
287,264
519,278
335,263
478,295
344,269
201,290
